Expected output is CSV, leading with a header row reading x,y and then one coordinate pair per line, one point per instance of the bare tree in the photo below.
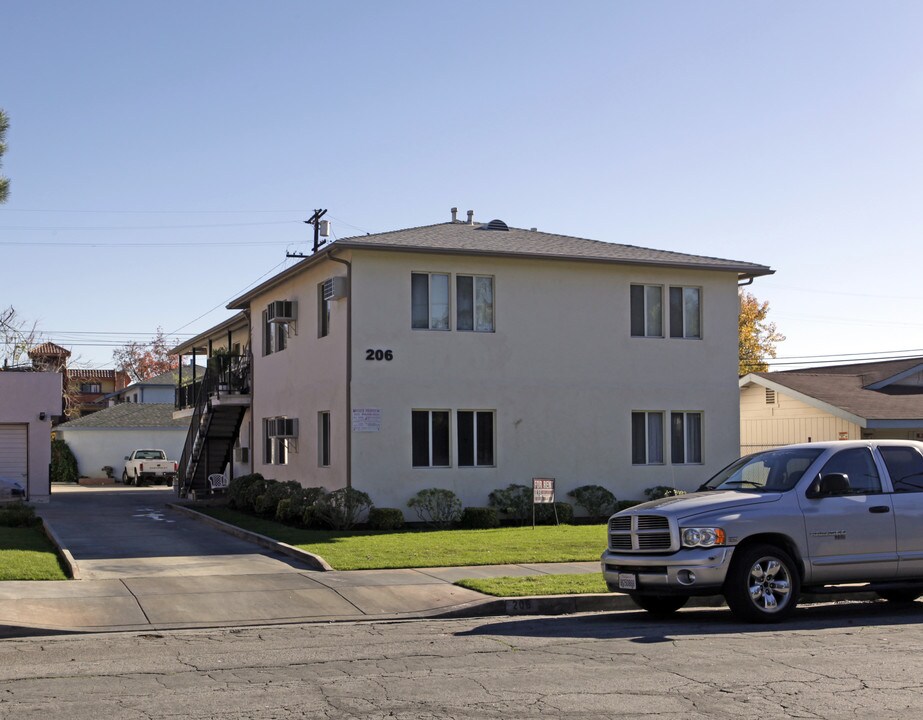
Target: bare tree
x,y
17,337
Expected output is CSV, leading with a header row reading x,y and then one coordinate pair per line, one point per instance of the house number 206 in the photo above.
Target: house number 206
x,y
379,355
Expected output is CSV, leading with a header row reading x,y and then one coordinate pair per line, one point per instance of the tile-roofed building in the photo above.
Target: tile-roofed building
x,y
875,400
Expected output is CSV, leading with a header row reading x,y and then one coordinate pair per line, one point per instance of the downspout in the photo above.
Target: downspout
x,y
349,363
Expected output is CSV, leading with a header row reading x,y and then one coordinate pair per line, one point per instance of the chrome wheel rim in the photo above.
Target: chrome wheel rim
x,y
770,584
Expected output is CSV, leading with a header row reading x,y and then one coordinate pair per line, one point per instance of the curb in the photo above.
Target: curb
x,y
65,554
316,562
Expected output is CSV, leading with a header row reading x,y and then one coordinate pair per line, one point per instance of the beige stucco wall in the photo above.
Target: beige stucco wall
x,y
787,420
306,378
23,395
561,371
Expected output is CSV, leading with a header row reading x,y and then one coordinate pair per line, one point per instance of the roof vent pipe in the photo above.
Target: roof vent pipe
x,y
471,217
454,214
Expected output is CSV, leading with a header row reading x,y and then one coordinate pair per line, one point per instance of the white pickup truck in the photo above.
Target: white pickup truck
x,y
148,466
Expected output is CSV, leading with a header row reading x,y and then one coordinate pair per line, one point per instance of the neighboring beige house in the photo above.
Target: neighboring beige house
x,y
470,356
28,401
877,400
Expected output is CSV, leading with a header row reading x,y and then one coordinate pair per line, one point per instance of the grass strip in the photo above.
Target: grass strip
x,y
534,585
26,554
376,550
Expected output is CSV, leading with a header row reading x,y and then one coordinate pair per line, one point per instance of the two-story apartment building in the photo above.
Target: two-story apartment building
x,y
470,356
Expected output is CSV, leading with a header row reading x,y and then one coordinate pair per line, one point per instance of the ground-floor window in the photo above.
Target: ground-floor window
x,y
647,438
275,449
686,437
430,431
323,439
475,431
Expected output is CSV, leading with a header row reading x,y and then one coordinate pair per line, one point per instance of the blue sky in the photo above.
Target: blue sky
x,y
163,155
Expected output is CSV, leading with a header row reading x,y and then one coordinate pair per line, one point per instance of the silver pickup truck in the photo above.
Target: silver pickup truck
x,y
773,524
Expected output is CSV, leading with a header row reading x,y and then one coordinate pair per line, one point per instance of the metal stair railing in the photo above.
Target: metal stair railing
x,y
195,436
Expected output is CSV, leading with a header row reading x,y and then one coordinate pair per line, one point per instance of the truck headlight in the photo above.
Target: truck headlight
x,y
702,537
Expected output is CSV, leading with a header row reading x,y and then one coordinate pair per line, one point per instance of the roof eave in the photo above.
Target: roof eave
x,y
754,379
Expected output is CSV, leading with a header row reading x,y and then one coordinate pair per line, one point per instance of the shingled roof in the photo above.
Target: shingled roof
x,y
479,239
873,392
127,416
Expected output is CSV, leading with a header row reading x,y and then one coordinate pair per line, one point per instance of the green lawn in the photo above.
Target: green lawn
x,y
369,550
26,554
529,585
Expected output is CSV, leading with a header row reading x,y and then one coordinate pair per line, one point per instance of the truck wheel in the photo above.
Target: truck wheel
x,y
900,597
136,481
659,605
762,585
124,477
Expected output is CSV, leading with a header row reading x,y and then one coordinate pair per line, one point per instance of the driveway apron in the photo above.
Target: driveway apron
x,y
116,533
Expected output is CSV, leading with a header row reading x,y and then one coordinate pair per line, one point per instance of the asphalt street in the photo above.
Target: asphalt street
x,y
853,660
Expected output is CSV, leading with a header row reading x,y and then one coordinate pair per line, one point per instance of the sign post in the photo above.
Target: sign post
x,y
542,493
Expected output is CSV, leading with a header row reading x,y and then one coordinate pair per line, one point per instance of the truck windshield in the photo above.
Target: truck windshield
x,y
770,471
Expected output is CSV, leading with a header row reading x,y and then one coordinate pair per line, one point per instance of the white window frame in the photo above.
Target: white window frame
x,y
429,301
645,310
430,437
688,444
484,327
688,332
275,450
323,313
649,457
475,438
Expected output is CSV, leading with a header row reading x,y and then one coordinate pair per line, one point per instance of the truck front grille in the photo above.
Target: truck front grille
x,y
640,533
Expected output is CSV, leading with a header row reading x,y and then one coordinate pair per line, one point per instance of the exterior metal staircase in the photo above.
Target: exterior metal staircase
x,y
221,401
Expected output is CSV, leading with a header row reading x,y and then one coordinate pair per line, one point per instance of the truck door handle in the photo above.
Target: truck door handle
x,y
879,509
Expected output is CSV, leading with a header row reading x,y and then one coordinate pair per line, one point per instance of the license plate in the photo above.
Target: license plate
x,y
628,581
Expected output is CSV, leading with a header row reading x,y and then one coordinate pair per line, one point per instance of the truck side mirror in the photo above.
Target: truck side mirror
x,y
829,485
126,457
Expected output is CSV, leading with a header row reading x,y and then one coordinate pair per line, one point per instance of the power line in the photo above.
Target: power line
x,y
145,227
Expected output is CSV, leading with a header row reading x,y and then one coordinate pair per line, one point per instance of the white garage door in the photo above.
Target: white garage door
x,y
14,452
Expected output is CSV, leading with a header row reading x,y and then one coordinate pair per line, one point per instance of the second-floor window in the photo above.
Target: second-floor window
x,y
685,314
646,311
429,300
93,388
474,303
275,335
323,313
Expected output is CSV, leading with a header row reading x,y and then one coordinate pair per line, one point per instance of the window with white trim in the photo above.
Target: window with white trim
x,y
647,438
646,311
686,438
475,438
323,313
275,449
430,438
685,312
429,301
474,303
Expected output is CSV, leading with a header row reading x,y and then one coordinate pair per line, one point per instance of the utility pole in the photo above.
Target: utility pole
x,y
315,221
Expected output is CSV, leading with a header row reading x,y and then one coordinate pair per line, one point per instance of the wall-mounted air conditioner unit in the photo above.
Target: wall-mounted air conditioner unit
x,y
282,311
335,288
242,455
283,427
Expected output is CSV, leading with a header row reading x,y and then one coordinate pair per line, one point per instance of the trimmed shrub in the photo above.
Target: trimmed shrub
x,y
479,518
243,488
515,502
661,491
293,509
544,513
598,502
18,514
386,518
267,503
63,463
341,509
436,507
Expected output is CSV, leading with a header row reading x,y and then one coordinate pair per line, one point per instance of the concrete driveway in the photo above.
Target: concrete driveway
x,y
122,532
